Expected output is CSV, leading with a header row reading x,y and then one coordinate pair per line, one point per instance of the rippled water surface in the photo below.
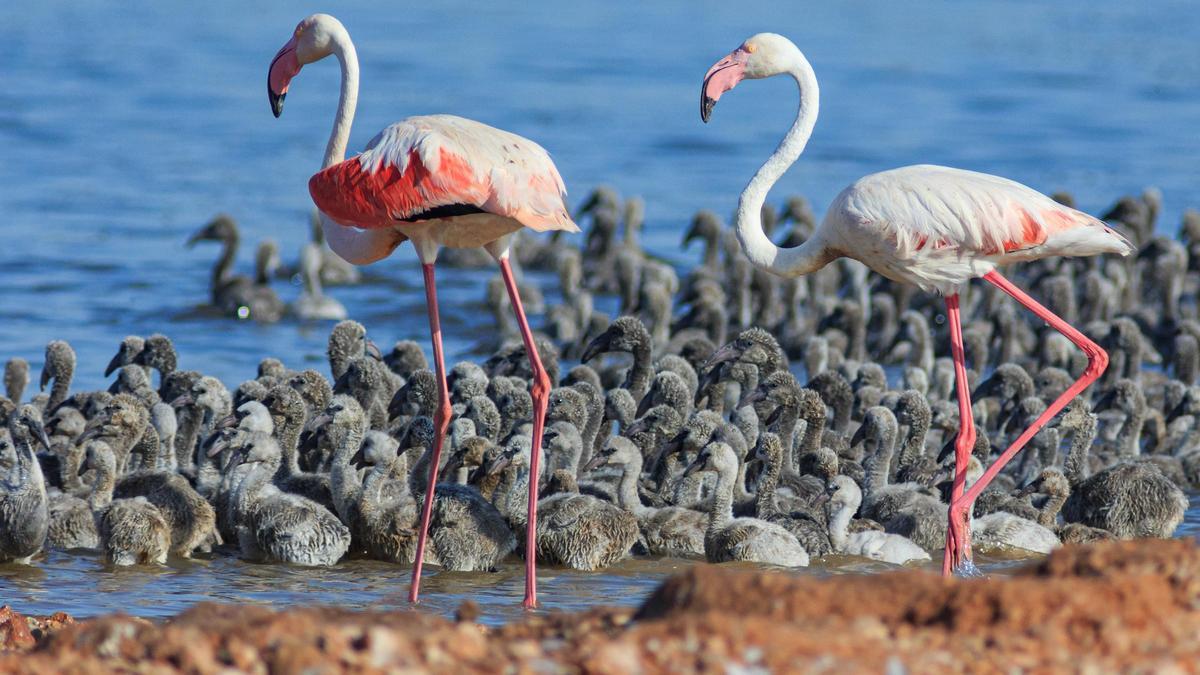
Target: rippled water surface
x,y
125,126
84,585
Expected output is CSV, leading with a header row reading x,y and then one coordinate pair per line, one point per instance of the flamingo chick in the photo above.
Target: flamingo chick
x,y
438,180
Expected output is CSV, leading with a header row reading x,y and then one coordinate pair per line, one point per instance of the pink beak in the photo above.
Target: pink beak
x,y
723,76
284,67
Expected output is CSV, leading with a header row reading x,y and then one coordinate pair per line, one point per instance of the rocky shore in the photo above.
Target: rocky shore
x,y
1108,607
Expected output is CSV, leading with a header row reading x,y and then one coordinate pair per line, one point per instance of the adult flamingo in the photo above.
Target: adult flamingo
x,y
930,226
438,180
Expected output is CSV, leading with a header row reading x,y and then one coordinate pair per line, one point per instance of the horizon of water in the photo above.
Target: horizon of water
x,y
124,129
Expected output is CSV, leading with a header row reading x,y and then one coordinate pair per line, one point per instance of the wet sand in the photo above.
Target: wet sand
x,y
1109,607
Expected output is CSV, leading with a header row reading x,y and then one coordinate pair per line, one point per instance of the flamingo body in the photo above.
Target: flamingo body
x,y
438,180
937,227
933,227
461,182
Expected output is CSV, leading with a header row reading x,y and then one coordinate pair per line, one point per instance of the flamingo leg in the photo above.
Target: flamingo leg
x,y
958,531
1097,363
540,392
441,422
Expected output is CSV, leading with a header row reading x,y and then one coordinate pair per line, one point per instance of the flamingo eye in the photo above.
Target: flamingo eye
x,y
749,47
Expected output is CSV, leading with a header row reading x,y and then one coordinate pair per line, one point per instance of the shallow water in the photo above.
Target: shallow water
x,y
123,130
83,585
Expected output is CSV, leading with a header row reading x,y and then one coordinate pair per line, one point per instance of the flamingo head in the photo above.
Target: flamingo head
x,y
313,40
760,56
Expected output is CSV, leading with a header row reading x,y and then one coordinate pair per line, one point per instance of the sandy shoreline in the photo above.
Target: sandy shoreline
x,y
1120,606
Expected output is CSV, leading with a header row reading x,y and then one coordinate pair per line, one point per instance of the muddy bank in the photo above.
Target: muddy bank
x,y
1118,606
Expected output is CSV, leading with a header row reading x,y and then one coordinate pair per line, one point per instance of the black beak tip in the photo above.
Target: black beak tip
x,y
706,107
276,102
594,349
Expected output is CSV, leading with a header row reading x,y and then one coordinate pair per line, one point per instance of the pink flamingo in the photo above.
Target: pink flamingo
x,y
438,180
930,226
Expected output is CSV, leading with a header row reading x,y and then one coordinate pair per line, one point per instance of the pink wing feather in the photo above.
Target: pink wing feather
x,y
933,208
425,162
937,227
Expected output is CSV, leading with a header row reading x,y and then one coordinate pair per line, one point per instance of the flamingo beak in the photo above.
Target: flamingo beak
x,y
372,350
117,361
208,232
723,76
752,397
595,463
596,347
283,68
724,354
39,432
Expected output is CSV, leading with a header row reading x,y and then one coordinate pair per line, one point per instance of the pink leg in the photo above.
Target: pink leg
x,y
1097,362
540,391
441,422
958,531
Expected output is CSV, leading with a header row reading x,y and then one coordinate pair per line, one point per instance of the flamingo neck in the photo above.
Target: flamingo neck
x,y
765,499
343,49
812,255
721,510
359,247
102,488
839,526
627,492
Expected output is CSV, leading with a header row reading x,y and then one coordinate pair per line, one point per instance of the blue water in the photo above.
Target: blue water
x,y
123,130
126,126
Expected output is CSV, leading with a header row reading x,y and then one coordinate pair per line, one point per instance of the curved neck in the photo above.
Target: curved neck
x,y
166,453
147,448
1048,514
420,473
877,466
789,417
344,482
1076,464
765,499
812,255
102,488
288,435
839,526
335,149
813,433
722,505
60,389
257,477
220,271
359,247
637,380
1131,431
627,492
914,442
185,438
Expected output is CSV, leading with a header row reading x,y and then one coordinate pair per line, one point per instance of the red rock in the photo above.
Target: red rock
x,y
1110,607
14,631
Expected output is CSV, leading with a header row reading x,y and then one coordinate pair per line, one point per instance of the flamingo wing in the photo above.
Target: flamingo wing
x,y
441,166
930,210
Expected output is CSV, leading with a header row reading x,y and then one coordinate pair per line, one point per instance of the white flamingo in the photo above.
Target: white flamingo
x,y
438,180
931,226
